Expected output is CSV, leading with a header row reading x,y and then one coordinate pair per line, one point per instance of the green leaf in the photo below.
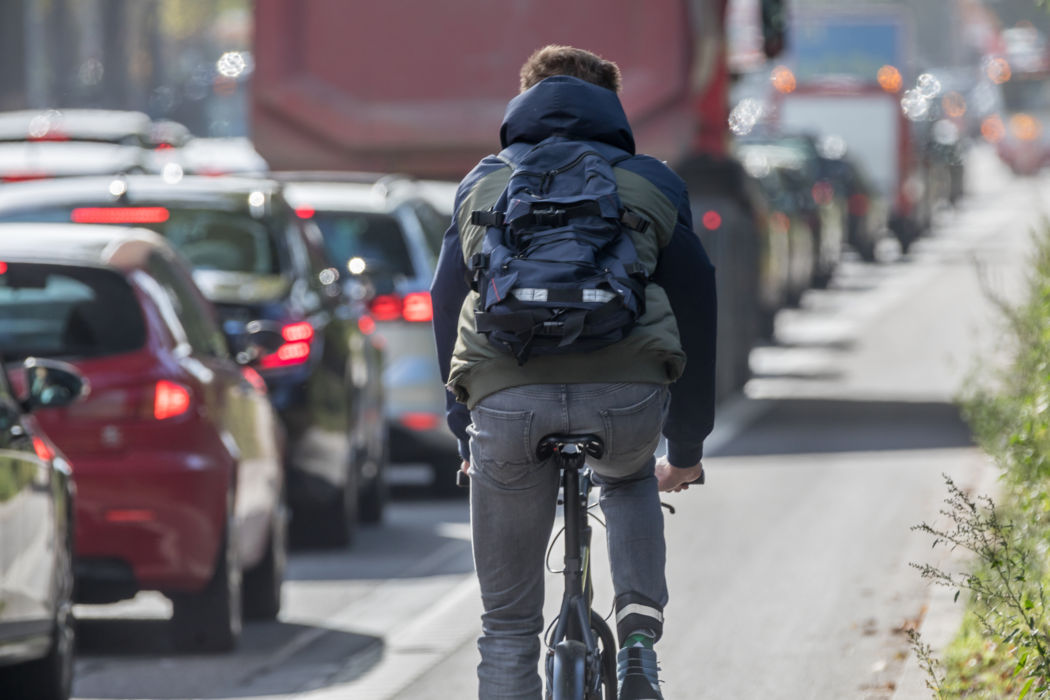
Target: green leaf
x,y
1020,663
1025,689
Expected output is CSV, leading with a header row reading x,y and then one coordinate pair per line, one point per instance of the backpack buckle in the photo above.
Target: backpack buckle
x,y
479,261
486,218
549,217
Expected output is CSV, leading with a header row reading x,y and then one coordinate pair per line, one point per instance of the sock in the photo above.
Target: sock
x,y
638,639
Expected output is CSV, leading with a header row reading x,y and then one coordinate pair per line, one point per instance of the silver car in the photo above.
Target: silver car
x,y
386,231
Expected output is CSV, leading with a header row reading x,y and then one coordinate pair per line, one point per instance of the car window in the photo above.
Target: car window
x,y
217,240
375,238
60,310
317,257
433,223
196,318
209,239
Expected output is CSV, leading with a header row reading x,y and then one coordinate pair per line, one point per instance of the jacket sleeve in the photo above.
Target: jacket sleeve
x,y
447,292
687,275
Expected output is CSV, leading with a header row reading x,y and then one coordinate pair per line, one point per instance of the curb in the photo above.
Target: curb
x,y
943,615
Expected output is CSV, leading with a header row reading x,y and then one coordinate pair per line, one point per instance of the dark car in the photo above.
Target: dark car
x,y
176,451
36,538
262,267
387,229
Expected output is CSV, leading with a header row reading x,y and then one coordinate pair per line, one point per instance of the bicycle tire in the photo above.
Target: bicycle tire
x,y
607,646
569,678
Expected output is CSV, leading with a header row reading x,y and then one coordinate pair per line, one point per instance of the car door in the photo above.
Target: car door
x,y
237,398
27,527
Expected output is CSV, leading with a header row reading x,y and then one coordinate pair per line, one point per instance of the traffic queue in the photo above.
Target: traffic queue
x,y
205,361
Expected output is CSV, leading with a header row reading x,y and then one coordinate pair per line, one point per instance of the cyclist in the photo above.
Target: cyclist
x,y
625,393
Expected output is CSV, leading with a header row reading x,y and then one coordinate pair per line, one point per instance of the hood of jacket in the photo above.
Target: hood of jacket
x,y
568,106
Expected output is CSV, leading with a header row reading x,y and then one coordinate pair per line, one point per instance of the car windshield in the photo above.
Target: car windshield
x,y
375,238
215,240
59,310
210,239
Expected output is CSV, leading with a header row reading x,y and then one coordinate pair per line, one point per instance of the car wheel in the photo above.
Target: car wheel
x,y
263,582
211,620
376,492
336,523
444,485
51,677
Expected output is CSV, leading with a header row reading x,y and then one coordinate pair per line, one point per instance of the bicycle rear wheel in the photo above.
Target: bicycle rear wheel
x,y
607,644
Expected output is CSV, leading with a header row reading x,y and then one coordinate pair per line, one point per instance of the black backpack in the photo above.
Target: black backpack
x,y
558,271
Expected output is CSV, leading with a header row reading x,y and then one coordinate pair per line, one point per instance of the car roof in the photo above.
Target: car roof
x,y
360,191
208,191
124,248
74,123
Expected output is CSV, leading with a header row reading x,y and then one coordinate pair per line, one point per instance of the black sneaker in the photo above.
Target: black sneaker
x,y
636,673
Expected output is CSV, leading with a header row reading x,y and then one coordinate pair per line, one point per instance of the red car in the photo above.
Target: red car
x,y
176,450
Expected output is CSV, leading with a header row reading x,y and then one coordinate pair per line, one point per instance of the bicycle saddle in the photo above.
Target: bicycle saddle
x,y
570,449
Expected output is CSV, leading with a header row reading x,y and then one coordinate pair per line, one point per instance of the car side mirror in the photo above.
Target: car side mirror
x,y
259,338
51,383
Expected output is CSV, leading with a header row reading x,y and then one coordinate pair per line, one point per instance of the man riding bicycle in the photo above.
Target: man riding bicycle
x,y
627,392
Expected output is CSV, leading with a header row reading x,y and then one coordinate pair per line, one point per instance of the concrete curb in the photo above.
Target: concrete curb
x,y
943,615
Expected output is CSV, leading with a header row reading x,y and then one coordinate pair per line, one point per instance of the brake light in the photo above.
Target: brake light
x,y
419,421
119,215
296,348
417,307
304,212
3,268
711,220
385,307
42,449
23,177
170,400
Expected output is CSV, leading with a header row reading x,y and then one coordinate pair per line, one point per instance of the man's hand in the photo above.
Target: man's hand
x,y
464,467
673,479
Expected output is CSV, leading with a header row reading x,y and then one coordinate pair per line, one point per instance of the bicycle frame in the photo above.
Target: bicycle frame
x,y
581,648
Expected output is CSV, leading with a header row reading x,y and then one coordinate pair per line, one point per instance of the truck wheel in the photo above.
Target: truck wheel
x,y
211,620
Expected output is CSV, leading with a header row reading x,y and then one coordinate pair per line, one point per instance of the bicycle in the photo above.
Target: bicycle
x,y
581,648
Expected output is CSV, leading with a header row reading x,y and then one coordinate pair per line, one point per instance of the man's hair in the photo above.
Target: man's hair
x,y
567,60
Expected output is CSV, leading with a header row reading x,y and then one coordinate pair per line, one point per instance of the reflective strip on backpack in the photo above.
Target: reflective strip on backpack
x,y
527,294
597,296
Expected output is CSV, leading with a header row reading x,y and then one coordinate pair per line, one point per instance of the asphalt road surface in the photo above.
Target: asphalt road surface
x,y
789,571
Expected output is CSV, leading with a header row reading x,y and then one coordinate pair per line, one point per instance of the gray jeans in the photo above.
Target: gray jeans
x,y
513,498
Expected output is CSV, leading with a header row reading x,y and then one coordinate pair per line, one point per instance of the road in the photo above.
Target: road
x,y
789,571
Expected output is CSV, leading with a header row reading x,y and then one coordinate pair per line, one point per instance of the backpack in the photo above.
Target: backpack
x,y
558,271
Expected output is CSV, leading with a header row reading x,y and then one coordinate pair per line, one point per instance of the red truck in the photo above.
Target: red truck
x,y
420,88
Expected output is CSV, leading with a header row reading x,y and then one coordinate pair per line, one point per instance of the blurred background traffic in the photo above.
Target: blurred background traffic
x,y
219,220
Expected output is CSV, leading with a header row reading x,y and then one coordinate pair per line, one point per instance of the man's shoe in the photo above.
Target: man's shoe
x,y
637,674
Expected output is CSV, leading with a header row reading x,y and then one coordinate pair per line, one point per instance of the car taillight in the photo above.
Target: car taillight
x,y
170,399
119,215
419,421
385,307
296,347
711,220
42,449
416,307
23,177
